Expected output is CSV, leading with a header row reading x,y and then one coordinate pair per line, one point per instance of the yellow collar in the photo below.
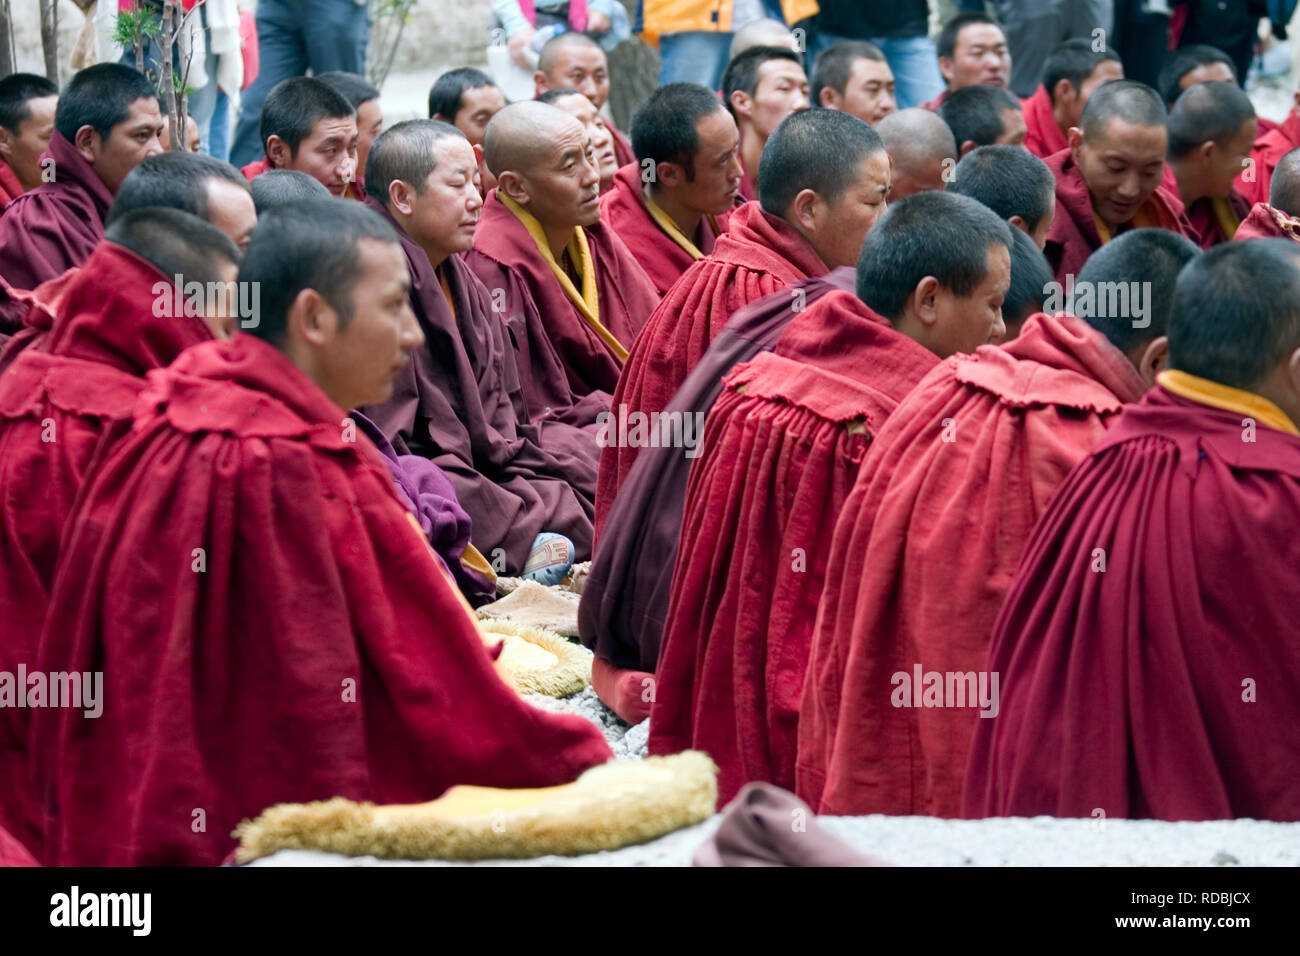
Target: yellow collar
x,y
1215,395
1228,221
1140,221
665,222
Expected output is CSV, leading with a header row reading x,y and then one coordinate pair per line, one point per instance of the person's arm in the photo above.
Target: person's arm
x,y
517,29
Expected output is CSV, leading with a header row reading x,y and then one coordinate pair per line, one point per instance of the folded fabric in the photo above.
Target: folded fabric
x,y
553,608
534,660
616,804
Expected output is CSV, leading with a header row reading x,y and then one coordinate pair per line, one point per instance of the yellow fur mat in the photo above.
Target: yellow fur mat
x,y
535,660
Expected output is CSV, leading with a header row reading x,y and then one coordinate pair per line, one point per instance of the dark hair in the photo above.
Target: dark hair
x,y
742,72
927,234
100,97
447,95
834,66
1237,312
275,187
664,125
1207,112
813,149
946,45
405,152
312,244
1183,61
173,180
1030,277
1009,180
174,242
356,89
16,91
294,107
974,113
1284,188
1154,256
1128,100
550,96
1073,60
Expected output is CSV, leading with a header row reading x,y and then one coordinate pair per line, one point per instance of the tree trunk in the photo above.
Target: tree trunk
x,y
7,64
166,39
50,38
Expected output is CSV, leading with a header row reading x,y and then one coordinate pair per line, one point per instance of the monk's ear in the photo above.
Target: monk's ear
x,y
945,67
478,155
670,175
513,186
278,152
539,84
315,320
400,195
1074,136
926,299
1019,223
1155,357
804,210
1293,374
828,98
1206,150
741,104
966,147
6,143
87,142
1061,90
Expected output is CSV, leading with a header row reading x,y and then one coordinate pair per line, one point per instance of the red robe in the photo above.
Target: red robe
x,y
1265,222
13,853
10,187
781,449
1130,691
60,406
758,255
925,553
624,210
271,627
1271,145
1074,236
1208,230
1043,137
934,104
622,148
50,229
29,314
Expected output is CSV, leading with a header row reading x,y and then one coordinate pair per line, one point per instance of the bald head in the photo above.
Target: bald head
x,y
1126,100
575,60
519,137
1284,191
1120,147
921,147
543,160
764,32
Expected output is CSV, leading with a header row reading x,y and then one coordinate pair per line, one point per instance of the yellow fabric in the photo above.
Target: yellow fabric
x,y
676,16
446,290
1140,221
1103,230
1228,220
665,222
585,302
474,560
1224,396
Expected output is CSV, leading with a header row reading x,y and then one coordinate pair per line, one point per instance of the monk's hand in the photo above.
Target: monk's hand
x,y
518,46
597,22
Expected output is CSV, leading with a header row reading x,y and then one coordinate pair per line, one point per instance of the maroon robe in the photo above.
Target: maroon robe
x,y
1265,222
1256,181
50,229
1208,231
1131,691
1043,137
10,187
271,627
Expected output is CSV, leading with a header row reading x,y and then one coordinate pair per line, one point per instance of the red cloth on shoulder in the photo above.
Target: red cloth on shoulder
x,y
30,314
1130,691
1205,224
1262,223
934,104
254,169
13,853
925,552
1271,145
10,187
1042,136
318,650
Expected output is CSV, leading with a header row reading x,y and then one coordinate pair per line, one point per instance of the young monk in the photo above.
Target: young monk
x,y
571,292
467,99
761,87
855,77
1016,185
1110,178
1149,638
309,126
602,144
459,402
922,151
27,104
671,203
781,450
1211,129
827,183
62,404
935,525
1072,72
351,642
1279,218
1189,65
972,50
364,98
107,122
981,116
575,61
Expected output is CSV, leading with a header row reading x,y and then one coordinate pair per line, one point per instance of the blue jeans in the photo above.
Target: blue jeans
x,y
294,36
217,141
694,57
913,59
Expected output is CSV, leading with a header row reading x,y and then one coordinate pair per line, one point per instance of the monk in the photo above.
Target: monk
x,y
107,122
459,404
1072,72
982,116
309,126
364,97
922,151
62,404
1279,218
1270,146
761,87
972,51
576,61
671,204
571,293
1192,64
602,144
1211,129
259,544
467,99
855,77
1109,180
827,185
27,104
933,529
1149,638
781,449
1015,184
275,187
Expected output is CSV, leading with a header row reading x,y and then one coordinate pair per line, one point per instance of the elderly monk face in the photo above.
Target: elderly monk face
x,y
22,150
444,214
127,145
602,143
477,106
981,56
562,187
582,67
1013,128
1122,166
370,123
231,209
711,183
869,93
964,323
328,154
839,229
782,89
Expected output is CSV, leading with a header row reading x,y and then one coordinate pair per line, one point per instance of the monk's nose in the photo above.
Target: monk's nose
x,y
588,89
412,334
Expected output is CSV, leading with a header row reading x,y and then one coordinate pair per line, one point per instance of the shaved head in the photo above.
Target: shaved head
x,y
558,47
1120,146
1128,100
575,60
764,32
918,143
1284,191
543,160
522,134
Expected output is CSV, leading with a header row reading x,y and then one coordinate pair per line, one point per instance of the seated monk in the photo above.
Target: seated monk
x,y
1279,218
853,76
107,121
982,116
934,527
761,87
570,291
1015,184
781,449
1158,589
1073,70
27,104
467,99
364,97
972,51
275,187
458,403
922,151
1192,64
670,205
1109,180
62,404
1211,129
827,183
260,543
573,60
602,144
309,126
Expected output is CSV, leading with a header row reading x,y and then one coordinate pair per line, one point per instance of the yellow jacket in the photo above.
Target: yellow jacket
x,y
710,16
